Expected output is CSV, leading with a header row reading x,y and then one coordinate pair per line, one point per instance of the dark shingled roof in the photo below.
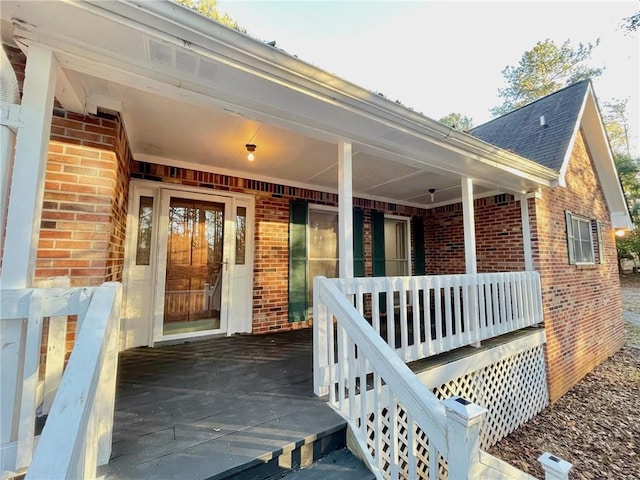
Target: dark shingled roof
x,y
520,131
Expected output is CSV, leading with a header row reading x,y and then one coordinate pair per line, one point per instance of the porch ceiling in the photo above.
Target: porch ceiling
x,y
193,93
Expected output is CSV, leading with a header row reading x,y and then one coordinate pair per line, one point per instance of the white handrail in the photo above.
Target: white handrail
x,y
401,429
77,434
369,401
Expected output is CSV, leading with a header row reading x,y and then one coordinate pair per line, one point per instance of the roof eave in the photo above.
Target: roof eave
x,y
291,69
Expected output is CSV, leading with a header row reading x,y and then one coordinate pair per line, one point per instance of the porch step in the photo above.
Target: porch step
x,y
338,465
278,462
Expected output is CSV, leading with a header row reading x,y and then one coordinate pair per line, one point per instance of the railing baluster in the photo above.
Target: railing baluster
x,y
428,318
363,369
434,464
437,295
482,307
411,447
352,374
30,382
460,311
340,371
448,333
504,324
415,310
391,321
393,434
404,321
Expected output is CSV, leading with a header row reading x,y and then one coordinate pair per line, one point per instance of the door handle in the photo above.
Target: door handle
x,y
225,265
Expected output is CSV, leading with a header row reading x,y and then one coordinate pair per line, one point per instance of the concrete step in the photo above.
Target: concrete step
x,y
337,465
289,457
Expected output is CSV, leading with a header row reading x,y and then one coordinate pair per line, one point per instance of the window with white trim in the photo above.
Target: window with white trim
x,y
322,246
584,240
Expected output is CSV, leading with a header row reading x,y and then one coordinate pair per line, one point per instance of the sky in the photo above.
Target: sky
x,y
439,57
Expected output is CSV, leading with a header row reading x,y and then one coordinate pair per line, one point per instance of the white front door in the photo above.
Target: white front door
x,y
189,270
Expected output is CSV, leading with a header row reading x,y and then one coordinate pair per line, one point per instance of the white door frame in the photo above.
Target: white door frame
x,y
161,193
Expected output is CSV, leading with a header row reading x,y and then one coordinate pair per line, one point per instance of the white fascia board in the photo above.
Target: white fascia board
x,y
562,182
270,63
602,155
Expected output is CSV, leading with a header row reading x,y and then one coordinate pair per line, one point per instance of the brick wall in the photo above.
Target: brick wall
x,y
499,245
82,232
582,305
271,257
83,225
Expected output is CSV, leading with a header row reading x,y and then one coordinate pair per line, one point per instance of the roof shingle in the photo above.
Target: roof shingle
x,y
520,131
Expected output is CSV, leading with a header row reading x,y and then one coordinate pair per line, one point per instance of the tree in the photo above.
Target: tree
x,y
209,8
616,120
543,70
458,121
631,24
629,173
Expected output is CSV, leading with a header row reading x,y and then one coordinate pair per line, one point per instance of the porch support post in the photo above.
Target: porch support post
x,y
27,183
345,209
470,260
526,233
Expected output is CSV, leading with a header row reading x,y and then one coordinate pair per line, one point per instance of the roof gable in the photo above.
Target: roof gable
x,y
522,132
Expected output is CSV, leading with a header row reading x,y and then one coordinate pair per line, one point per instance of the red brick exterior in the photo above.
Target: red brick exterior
x,y
84,217
82,232
582,305
271,255
499,245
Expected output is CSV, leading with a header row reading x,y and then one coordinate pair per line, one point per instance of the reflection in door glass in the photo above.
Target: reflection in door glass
x,y
194,266
241,231
143,244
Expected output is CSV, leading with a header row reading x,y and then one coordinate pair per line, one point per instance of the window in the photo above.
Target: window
x,y
584,240
145,221
322,247
396,247
241,232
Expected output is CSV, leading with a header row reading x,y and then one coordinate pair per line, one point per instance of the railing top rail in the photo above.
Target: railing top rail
x,y
367,284
14,303
428,412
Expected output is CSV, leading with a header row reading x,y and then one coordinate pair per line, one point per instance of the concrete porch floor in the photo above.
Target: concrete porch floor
x,y
206,409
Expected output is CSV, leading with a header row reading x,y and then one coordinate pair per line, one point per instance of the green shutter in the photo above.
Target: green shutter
x,y
417,227
358,242
297,260
570,238
377,243
600,241
377,247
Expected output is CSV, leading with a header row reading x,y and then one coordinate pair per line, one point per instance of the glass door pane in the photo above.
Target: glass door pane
x,y
193,282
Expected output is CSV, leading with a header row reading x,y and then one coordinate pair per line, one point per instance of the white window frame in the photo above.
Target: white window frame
x,y
575,242
407,223
311,207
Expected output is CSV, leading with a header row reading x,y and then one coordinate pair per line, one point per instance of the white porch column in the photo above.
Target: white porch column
x,y
345,209
27,183
526,233
470,260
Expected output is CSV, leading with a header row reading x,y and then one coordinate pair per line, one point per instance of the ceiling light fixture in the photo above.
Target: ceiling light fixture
x,y
250,148
432,191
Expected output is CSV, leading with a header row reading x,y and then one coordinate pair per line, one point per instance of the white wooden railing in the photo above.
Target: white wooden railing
x,y
435,314
79,398
401,429
398,425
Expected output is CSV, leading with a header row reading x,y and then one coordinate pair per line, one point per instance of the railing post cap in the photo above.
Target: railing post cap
x,y
554,465
463,411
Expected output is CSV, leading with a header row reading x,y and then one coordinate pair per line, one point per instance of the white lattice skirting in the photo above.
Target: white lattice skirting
x,y
509,380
